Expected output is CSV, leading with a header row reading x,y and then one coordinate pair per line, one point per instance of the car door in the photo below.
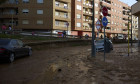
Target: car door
x,y
15,46
24,50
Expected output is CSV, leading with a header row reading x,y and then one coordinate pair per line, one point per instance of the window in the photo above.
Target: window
x,y
96,12
57,13
112,22
112,16
14,43
78,24
39,11
96,5
65,24
112,9
20,43
39,1
25,1
78,0
12,11
96,19
66,6
78,16
25,22
25,11
56,3
65,15
56,23
39,21
78,7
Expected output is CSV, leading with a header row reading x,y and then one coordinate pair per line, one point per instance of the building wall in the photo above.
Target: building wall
x,y
32,16
139,26
136,12
117,16
135,27
62,21
27,18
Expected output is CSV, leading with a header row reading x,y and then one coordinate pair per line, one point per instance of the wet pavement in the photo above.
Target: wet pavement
x,y
74,65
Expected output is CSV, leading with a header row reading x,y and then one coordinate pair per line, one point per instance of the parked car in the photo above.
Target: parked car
x,y
12,48
99,44
120,37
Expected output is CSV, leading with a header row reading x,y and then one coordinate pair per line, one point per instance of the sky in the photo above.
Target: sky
x,y
129,2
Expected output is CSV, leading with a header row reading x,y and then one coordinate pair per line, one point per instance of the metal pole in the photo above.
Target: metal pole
x,y
104,42
131,27
67,28
128,36
12,21
93,35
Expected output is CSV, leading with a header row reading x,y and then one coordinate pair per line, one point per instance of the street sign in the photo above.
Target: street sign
x,y
104,21
105,11
98,25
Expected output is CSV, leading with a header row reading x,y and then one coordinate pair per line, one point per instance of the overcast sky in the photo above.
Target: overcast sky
x,y
129,2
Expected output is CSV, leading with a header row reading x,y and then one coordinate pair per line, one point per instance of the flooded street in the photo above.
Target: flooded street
x,y
73,65
46,67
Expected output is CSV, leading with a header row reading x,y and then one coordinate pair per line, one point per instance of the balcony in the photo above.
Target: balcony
x,y
62,8
103,3
62,18
87,5
68,1
87,13
87,20
85,28
9,5
61,27
8,16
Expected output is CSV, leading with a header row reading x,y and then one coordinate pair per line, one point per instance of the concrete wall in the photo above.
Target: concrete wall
x,y
136,8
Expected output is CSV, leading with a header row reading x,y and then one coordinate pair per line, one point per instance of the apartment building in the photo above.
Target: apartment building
x,y
82,17
134,27
136,12
46,15
118,13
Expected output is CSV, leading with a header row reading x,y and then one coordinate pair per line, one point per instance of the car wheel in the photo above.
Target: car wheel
x,y
30,52
12,57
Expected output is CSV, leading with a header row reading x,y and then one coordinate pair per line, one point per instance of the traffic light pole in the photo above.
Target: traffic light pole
x,y
93,35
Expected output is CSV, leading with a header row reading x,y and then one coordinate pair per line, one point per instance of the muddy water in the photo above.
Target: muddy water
x,y
73,65
53,66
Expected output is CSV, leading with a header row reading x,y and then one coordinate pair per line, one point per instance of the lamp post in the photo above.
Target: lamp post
x,y
93,34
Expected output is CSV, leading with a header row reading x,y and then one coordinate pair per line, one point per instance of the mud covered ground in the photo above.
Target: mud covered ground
x,y
74,65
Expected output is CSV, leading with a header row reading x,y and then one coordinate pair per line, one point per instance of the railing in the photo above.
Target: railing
x,y
42,34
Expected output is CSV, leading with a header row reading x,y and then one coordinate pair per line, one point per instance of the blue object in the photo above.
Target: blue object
x,y
104,21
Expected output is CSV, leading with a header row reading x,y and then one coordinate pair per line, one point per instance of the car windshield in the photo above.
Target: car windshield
x,y
4,41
